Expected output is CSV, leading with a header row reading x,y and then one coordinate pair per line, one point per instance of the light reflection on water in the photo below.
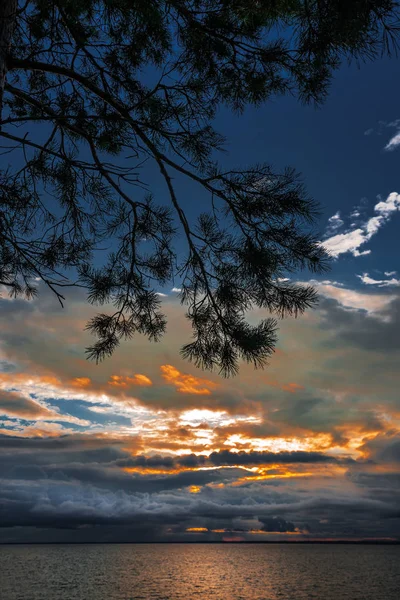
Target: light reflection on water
x,y
218,572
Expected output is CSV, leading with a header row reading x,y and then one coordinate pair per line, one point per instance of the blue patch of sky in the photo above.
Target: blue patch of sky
x,y
339,164
80,409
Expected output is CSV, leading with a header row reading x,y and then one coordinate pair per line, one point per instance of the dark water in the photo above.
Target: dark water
x,y
218,572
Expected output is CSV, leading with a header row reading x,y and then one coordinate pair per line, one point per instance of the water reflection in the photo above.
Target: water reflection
x,y
220,572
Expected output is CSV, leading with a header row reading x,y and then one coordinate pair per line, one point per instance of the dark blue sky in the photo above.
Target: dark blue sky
x,y
342,167
340,164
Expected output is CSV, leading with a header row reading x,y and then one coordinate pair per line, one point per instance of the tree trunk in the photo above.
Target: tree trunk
x,y
8,14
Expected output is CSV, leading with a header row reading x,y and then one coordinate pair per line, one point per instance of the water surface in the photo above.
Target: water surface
x,y
208,571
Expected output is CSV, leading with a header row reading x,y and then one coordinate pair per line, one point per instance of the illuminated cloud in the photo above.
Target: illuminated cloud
x,y
367,280
347,242
280,452
394,142
334,223
292,387
353,299
81,381
352,240
40,430
188,384
126,381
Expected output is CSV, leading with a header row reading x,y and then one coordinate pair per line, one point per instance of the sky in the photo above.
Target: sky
x,y
145,447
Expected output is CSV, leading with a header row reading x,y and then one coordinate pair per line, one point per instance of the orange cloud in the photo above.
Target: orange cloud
x,y
292,387
287,387
25,378
188,384
44,430
81,381
121,381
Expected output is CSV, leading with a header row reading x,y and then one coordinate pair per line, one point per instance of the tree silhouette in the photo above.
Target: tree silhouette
x,y
91,90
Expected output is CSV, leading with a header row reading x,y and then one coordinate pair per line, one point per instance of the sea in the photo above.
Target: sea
x,y
207,571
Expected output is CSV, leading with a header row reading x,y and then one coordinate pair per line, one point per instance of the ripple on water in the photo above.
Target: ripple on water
x,y
185,572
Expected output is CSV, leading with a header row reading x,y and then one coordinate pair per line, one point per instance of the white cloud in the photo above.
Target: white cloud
x,y
393,143
351,241
329,282
176,290
367,280
352,299
335,222
390,273
345,242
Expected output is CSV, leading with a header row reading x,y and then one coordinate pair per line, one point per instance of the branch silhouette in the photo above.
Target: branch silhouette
x,y
92,92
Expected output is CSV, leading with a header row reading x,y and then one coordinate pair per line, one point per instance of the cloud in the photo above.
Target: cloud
x,y
188,384
226,457
384,447
347,242
277,524
81,381
83,483
125,381
32,499
223,458
195,451
378,331
16,405
352,240
367,280
334,223
353,299
393,143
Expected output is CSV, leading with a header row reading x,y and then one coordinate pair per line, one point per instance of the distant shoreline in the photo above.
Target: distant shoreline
x,y
241,543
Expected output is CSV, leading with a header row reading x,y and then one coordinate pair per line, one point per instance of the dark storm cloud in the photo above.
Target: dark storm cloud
x,y
60,504
77,482
277,524
5,366
64,442
164,462
228,458
93,463
87,449
51,454
378,332
100,467
377,481
15,308
225,457
384,448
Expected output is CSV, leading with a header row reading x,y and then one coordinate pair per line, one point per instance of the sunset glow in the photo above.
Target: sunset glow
x,y
281,459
